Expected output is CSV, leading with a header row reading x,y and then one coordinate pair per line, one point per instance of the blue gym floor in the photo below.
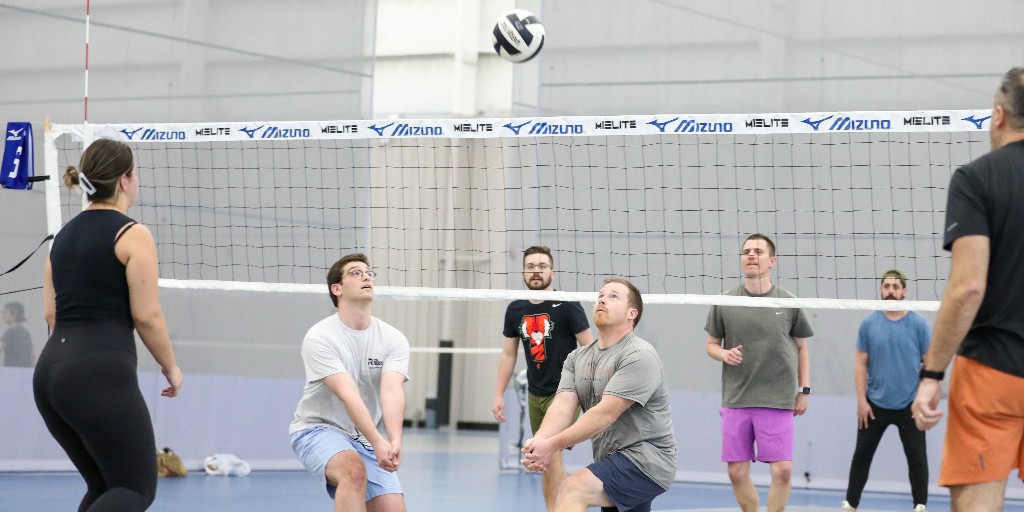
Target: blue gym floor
x,y
441,471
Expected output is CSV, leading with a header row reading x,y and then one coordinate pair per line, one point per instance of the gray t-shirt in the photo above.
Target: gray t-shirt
x,y
629,369
767,377
331,347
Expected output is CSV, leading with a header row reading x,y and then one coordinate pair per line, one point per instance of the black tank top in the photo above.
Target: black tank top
x,y
89,280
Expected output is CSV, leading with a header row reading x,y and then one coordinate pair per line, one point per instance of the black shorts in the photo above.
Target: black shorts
x,y
626,486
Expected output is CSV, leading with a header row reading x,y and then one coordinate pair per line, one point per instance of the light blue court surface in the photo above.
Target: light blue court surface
x,y
441,472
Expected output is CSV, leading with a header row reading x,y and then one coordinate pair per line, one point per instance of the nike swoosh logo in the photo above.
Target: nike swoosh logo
x,y
951,226
556,305
778,312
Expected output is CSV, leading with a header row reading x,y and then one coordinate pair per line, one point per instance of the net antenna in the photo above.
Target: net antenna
x,y
444,208
85,104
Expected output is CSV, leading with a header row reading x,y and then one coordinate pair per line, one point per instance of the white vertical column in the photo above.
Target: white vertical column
x,y
465,57
775,17
191,81
369,60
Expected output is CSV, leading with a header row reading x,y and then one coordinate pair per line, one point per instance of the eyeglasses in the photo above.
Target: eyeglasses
x,y
360,273
536,267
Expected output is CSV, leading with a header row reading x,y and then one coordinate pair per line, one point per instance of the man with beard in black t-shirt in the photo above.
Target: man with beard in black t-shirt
x,y
981,317
549,331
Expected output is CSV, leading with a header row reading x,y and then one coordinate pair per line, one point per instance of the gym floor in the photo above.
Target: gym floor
x,y
441,471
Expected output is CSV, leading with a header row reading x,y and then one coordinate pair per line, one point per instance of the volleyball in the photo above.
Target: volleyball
x,y
518,36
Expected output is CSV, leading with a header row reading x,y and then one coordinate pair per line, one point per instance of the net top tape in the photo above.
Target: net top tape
x,y
586,126
466,294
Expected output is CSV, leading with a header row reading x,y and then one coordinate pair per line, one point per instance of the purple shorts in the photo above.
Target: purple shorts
x,y
771,429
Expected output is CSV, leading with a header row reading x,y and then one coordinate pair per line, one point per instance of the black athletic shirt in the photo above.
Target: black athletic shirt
x,y
548,332
986,197
87,276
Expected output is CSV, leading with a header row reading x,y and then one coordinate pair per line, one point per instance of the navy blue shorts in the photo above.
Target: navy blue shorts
x,y
628,488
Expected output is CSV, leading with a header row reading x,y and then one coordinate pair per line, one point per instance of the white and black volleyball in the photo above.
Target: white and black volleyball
x,y
518,36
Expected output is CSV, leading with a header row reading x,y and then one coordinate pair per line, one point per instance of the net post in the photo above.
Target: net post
x,y
444,384
51,186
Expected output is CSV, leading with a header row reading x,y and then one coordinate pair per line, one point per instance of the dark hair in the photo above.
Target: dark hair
x,y
635,300
17,310
539,249
1012,97
334,275
897,274
102,164
759,236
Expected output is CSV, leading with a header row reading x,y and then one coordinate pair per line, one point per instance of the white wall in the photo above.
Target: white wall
x,y
774,56
187,60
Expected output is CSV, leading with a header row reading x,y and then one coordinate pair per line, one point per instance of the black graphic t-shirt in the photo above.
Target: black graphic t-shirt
x,y
548,332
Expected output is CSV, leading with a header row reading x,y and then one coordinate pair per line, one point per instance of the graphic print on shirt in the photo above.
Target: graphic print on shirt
x,y
537,329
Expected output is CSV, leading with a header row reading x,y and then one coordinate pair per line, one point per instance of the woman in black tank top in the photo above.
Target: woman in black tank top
x,y
100,284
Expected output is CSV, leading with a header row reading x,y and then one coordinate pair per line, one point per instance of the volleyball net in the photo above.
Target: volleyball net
x,y
444,208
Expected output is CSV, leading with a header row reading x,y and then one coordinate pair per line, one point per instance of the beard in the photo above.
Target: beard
x,y
537,284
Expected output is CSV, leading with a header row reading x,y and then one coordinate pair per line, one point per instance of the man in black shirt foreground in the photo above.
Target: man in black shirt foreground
x,y
981,318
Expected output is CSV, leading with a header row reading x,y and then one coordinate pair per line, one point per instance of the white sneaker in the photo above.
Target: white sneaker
x,y
920,508
847,506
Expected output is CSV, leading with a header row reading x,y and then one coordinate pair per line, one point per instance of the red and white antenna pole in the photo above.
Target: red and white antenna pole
x,y
86,105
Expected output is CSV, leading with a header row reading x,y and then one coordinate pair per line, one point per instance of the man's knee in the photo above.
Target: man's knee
x,y
978,497
386,503
578,487
739,471
555,468
346,470
782,471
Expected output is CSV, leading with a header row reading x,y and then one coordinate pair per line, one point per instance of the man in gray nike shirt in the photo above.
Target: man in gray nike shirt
x,y
619,382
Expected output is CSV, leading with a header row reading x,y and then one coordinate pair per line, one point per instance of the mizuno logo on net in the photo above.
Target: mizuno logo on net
x,y
516,127
275,132
546,128
153,134
977,122
692,126
250,131
407,130
847,123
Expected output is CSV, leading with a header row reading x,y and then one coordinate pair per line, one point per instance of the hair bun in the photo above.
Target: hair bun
x,y
71,176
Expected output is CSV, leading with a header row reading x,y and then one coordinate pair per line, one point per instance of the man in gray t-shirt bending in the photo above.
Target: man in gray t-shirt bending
x,y
765,377
619,382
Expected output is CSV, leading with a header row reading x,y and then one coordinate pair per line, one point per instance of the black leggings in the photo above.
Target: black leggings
x,y
91,404
913,446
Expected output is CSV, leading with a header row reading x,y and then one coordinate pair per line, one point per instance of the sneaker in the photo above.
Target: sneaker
x,y
847,506
920,508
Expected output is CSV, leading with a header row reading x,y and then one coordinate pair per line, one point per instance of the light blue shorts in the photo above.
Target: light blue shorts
x,y
316,445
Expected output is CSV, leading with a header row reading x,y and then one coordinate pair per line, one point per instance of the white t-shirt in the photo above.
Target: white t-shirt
x,y
331,347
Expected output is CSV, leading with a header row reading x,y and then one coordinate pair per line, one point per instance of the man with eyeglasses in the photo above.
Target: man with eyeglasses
x,y
548,331
347,429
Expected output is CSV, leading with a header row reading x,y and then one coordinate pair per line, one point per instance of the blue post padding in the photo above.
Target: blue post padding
x,y
17,165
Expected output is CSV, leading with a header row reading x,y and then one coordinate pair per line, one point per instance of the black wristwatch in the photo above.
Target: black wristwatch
x,y
805,390
928,374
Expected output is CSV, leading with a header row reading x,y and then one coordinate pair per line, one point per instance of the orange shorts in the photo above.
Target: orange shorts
x,y
985,431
